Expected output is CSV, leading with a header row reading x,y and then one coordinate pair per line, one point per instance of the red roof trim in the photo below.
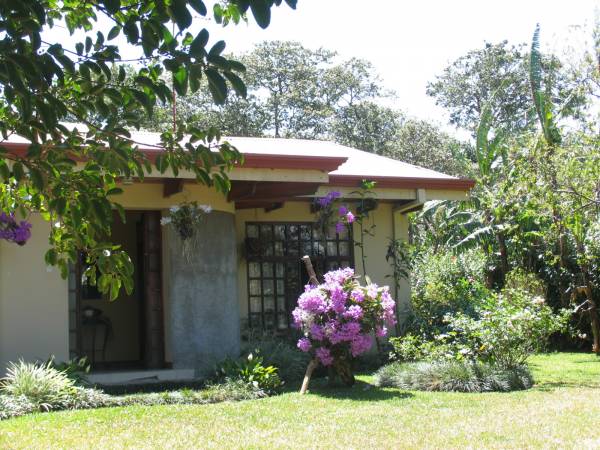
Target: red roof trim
x,y
251,160
455,184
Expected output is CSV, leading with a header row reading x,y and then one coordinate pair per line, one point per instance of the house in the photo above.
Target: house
x,y
187,314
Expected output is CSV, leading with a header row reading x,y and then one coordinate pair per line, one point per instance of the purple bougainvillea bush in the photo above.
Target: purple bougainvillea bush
x,y
13,231
338,318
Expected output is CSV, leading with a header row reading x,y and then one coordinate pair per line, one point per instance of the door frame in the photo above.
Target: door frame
x,y
150,269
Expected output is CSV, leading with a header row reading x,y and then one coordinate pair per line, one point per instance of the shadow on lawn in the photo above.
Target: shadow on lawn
x,y
551,385
360,391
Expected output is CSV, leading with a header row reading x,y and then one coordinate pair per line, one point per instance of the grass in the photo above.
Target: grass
x,y
561,411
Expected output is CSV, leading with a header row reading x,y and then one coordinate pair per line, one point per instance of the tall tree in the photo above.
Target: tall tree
x,y
422,143
44,82
497,75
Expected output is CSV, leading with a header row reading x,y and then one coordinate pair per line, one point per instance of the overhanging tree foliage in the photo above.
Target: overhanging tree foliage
x,y
70,175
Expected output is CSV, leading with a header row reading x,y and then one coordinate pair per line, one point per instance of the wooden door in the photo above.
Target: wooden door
x,y
154,346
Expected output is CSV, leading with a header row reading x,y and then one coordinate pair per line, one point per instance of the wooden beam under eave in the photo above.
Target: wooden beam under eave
x,y
172,186
257,191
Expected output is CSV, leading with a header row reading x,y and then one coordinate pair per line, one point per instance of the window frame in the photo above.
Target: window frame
x,y
321,262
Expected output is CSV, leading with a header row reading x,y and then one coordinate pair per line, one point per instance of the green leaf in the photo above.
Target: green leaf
x,y
36,178
114,32
217,49
112,6
237,83
216,85
17,170
261,11
198,6
34,150
180,80
180,14
199,44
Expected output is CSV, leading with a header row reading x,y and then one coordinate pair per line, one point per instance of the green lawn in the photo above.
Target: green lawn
x,y
562,410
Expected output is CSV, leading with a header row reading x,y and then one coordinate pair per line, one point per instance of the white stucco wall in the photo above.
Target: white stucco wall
x,y
33,301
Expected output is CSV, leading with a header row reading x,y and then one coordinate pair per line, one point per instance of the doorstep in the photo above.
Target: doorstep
x,y
141,376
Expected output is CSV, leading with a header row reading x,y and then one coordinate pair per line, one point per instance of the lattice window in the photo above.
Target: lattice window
x,y
276,276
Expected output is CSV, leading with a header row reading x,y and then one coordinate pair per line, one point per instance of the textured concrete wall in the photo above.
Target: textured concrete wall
x,y
202,296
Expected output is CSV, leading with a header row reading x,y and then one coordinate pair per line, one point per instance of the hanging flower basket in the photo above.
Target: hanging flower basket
x,y
186,218
11,231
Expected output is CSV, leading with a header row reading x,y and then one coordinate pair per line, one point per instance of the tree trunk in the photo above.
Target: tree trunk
x,y
344,369
312,365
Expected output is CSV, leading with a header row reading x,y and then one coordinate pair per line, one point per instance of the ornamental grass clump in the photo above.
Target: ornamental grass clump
x,y
338,318
453,376
43,386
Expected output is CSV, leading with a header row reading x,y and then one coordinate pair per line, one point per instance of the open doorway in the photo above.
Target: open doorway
x,y
127,333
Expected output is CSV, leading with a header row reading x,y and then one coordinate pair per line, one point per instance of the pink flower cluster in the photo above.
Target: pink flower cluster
x,y
338,316
346,218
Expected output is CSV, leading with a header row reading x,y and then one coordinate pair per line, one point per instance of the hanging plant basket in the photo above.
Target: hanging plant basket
x,y
185,219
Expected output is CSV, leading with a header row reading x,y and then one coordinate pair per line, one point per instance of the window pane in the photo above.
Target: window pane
x,y
305,234
278,248
255,305
254,270
307,248
332,248
280,288
267,287
269,304
344,249
293,232
281,304
291,248
267,270
255,287
282,322
266,232
280,232
252,231
279,270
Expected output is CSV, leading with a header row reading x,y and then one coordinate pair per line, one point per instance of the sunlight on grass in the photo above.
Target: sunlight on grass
x,y
555,413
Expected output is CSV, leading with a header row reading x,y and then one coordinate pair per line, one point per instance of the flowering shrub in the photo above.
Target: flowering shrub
x,y
338,317
11,231
504,330
511,326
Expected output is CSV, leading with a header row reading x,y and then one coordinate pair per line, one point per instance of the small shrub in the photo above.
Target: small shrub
x,y
15,406
226,390
76,369
455,376
278,352
252,371
86,398
442,284
45,387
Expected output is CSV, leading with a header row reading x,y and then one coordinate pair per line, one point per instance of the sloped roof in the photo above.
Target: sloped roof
x,y
346,166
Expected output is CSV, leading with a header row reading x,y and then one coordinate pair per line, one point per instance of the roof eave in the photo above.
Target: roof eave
x,y
454,184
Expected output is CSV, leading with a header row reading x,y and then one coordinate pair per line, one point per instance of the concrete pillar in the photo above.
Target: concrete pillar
x,y
203,322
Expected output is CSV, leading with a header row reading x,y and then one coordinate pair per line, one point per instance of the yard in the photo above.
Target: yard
x,y
556,413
